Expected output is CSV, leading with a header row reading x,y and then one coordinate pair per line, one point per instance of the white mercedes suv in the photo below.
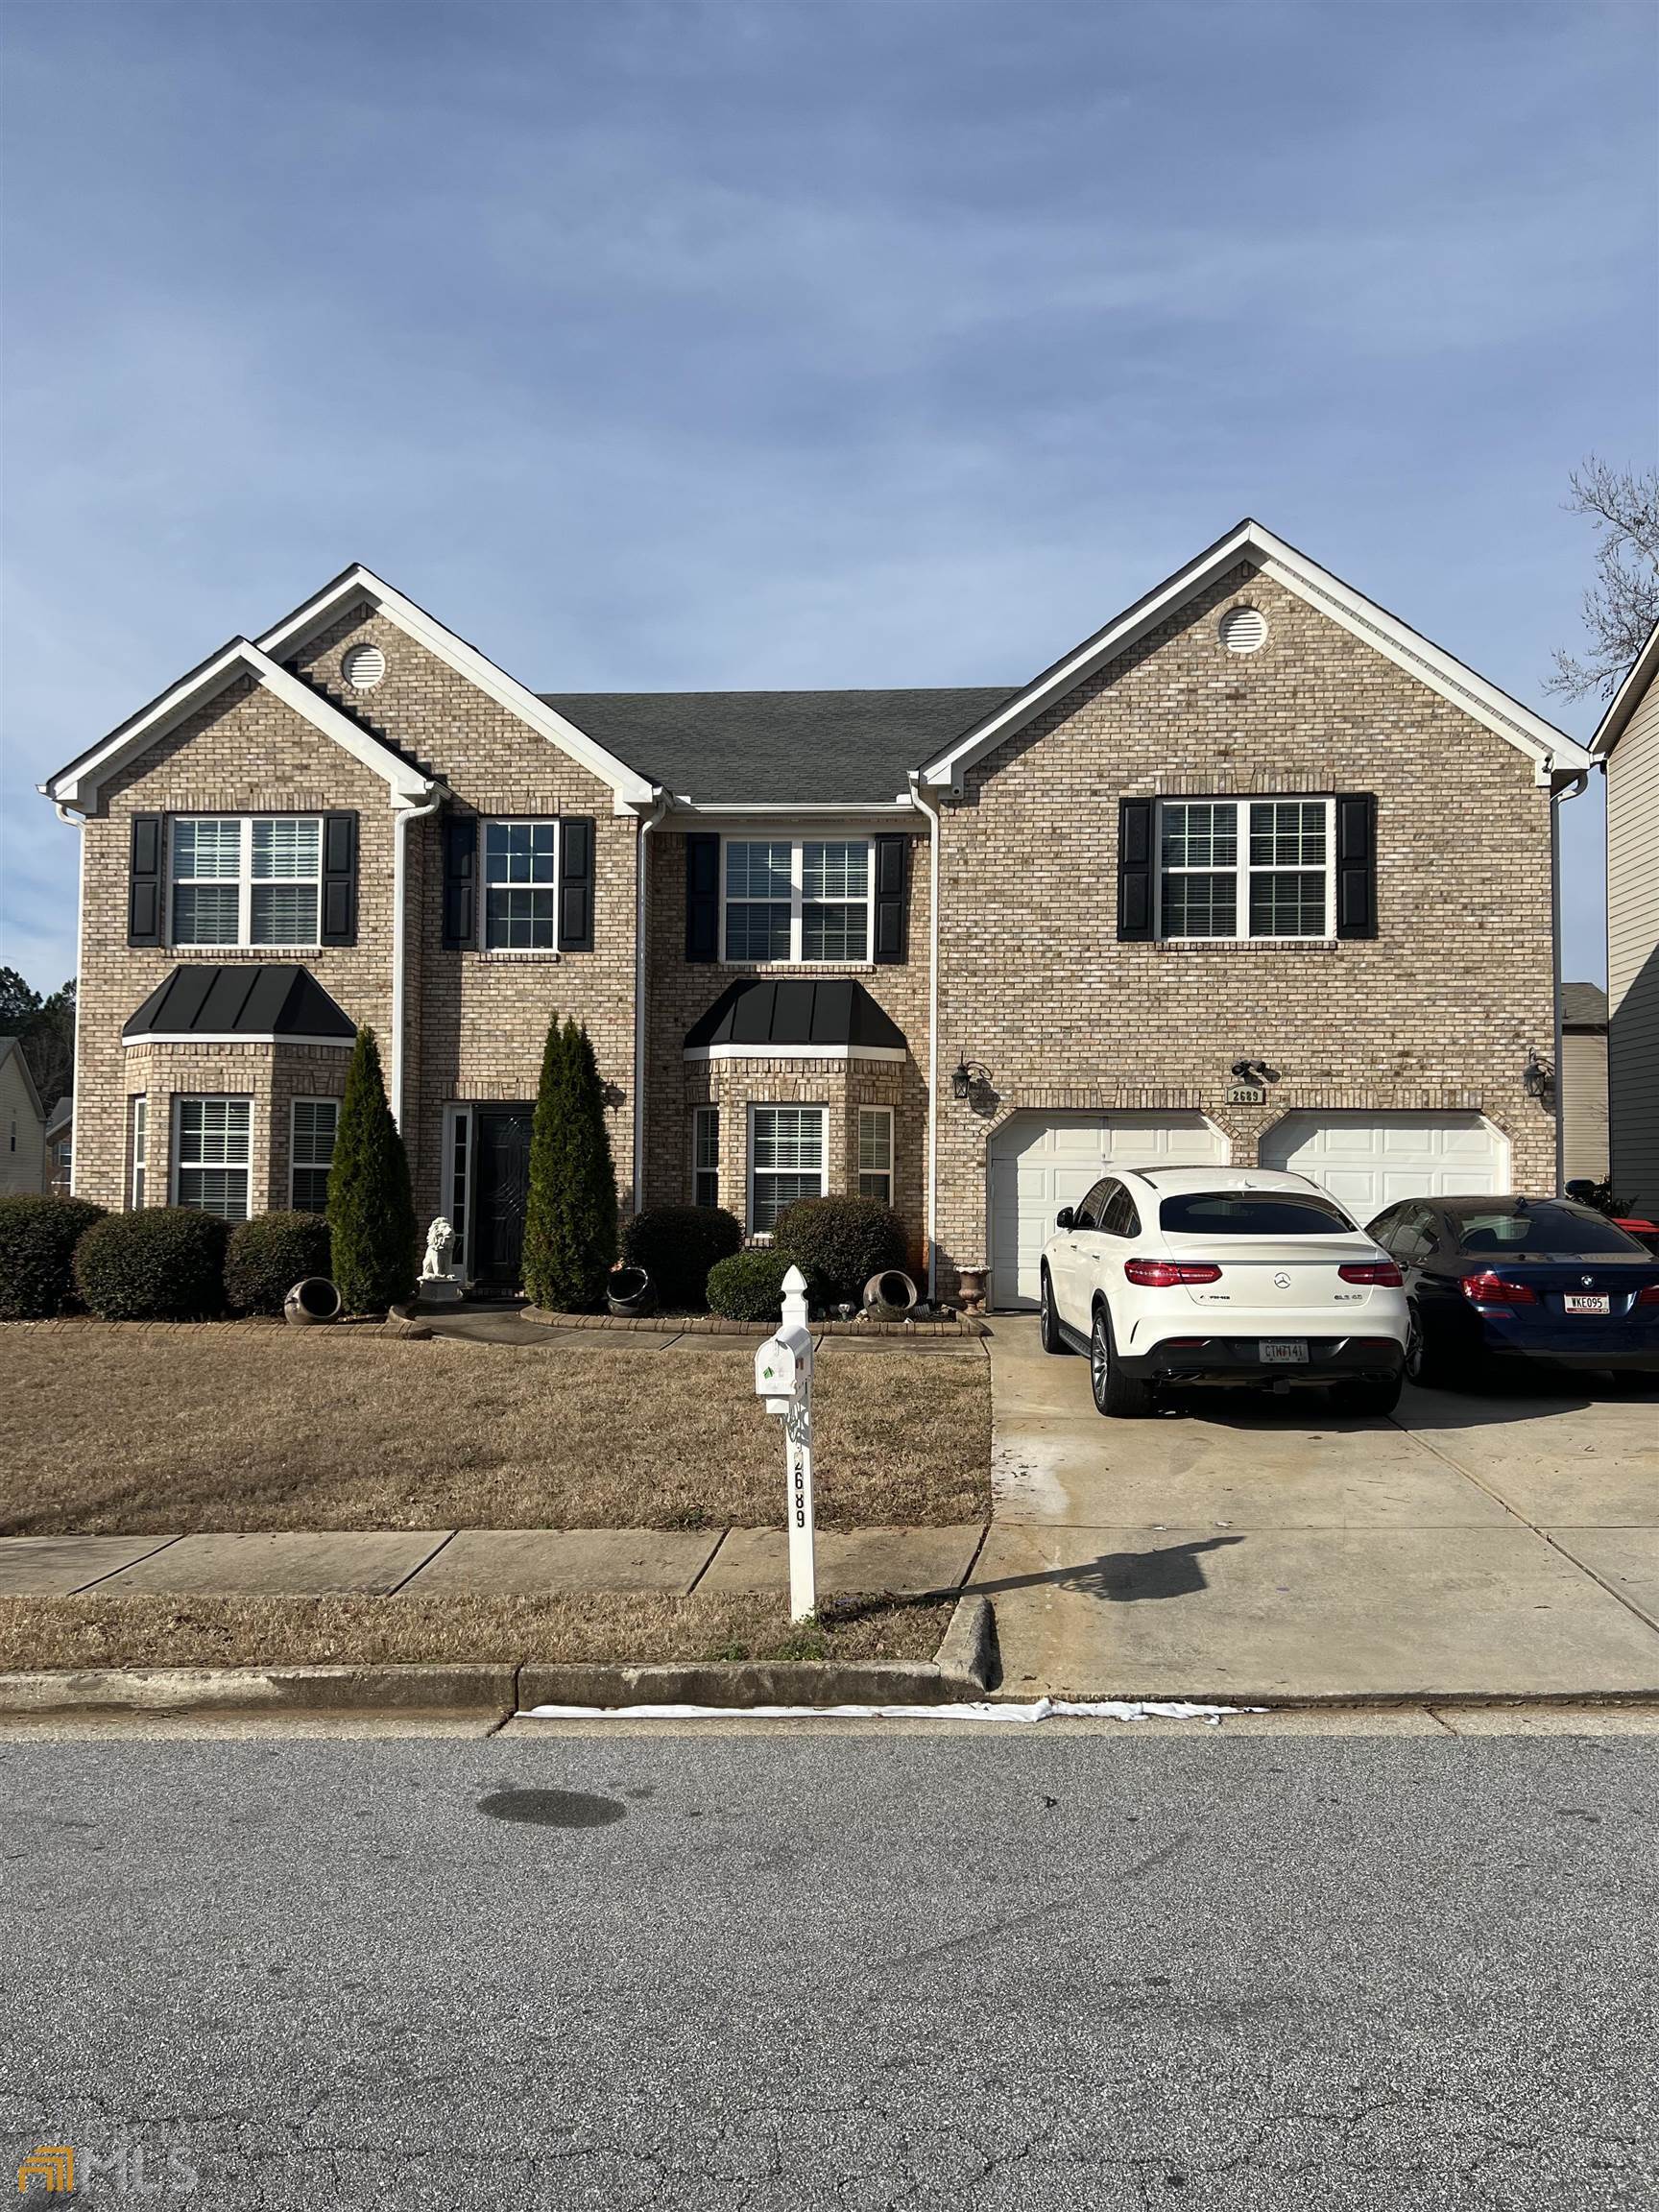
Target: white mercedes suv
x,y
1239,1275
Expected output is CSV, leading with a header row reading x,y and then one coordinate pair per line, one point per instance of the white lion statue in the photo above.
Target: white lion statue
x,y
440,1240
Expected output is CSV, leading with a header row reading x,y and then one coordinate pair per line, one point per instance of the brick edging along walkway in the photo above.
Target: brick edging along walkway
x,y
716,1325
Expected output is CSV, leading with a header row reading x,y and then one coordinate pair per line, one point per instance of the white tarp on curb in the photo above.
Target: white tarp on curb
x,y
1045,1708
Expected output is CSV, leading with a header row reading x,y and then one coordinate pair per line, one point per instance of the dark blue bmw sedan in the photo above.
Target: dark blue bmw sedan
x,y
1536,1279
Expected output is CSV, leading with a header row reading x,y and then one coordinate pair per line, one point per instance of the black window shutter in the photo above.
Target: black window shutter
x,y
1135,868
1355,864
460,881
703,897
339,879
890,859
144,882
576,883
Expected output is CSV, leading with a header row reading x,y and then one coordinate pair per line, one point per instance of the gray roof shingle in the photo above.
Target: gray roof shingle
x,y
757,748
1583,1006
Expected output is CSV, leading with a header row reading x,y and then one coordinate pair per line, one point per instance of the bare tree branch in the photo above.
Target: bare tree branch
x,y
1623,604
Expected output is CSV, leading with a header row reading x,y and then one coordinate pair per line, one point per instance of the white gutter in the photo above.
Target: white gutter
x,y
1580,779
79,822
641,916
932,813
401,820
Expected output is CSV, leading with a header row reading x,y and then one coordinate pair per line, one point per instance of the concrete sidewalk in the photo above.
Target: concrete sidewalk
x,y
1260,1550
500,1562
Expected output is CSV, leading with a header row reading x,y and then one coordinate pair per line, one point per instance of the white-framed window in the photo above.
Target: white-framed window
x,y
807,899
1247,868
788,1147
213,1155
457,1157
311,1153
520,910
875,1153
705,1156
244,878
140,1112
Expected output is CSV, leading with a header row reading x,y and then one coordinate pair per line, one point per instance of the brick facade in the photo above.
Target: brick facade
x,y
1436,1012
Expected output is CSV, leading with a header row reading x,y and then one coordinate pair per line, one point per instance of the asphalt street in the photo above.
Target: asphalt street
x,y
853,1970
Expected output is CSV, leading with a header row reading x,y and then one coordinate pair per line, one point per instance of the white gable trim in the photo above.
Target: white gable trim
x,y
1548,748
78,784
1631,692
630,788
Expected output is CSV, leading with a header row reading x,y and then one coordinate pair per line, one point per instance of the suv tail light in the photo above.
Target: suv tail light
x,y
1649,1296
1165,1274
1383,1273
1490,1289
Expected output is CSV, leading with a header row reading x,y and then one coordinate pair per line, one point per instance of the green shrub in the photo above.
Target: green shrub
x,y
163,1264
677,1245
268,1255
370,1211
570,1213
749,1286
838,1244
37,1241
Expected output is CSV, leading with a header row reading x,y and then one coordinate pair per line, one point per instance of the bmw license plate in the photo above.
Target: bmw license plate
x,y
1577,1301
1284,1351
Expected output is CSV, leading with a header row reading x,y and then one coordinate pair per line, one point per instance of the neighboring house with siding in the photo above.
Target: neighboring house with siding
x,y
1583,1082
1627,746
957,949
60,1145
22,1124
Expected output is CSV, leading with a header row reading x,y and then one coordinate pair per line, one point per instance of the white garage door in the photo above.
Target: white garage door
x,y
1042,1162
1366,1161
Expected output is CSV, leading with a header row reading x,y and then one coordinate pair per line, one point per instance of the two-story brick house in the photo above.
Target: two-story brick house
x,y
952,947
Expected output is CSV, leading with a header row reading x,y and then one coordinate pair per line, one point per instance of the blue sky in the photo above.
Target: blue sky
x,y
764,345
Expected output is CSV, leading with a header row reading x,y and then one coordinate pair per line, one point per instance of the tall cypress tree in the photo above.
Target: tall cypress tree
x,y
371,1206
570,1218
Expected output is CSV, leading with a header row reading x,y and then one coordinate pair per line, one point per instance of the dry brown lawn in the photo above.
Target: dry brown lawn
x,y
53,1633
120,1431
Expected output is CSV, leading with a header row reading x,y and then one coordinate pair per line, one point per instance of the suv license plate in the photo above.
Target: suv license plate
x,y
1578,1303
1284,1351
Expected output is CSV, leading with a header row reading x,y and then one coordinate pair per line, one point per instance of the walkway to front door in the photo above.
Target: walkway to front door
x,y
501,1185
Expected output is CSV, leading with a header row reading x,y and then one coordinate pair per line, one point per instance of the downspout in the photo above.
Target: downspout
x,y
79,822
400,822
1571,791
642,917
933,814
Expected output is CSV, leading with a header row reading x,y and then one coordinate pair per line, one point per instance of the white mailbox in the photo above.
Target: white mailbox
x,y
783,1366
784,1379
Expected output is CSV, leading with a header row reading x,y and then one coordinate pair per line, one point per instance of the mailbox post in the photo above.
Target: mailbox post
x,y
784,1379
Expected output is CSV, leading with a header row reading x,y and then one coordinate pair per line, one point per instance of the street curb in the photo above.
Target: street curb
x,y
437,1689
961,1669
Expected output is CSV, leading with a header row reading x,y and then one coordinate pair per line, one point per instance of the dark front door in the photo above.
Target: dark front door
x,y
501,1185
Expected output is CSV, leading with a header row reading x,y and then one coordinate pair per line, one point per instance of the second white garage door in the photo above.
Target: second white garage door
x,y
1368,1160
1042,1162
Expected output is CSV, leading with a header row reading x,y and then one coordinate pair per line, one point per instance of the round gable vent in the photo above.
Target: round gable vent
x,y
363,667
1243,628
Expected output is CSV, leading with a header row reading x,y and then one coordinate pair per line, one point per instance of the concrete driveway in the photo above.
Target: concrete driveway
x,y
1256,1549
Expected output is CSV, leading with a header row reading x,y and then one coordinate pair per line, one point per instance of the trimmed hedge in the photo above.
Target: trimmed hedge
x,y
163,1264
677,1245
268,1255
838,1244
37,1241
749,1286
